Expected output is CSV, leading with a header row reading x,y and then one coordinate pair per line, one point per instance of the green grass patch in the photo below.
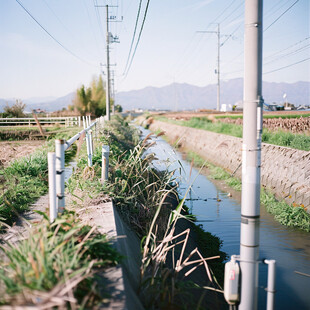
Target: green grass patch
x,y
288,215
281,138
266,115
52,259
216,172
291,216
287,139
25,180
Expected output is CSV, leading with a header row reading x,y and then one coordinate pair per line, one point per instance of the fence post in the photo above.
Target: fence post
x,y
51,157
79,121
271,286
60,174
105,163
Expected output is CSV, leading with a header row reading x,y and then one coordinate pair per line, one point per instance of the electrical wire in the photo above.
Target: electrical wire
x,y
281,15
282,50
301,49
281,68
99,19
138,40
134,35
57,41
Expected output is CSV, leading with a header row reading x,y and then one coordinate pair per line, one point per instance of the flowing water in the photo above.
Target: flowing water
x,y
220,215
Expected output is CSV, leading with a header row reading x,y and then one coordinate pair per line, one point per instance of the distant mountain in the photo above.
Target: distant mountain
x,y
185,96
53,105
39,99
48,103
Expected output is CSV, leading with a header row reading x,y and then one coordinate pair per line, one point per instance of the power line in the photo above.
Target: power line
x,y
99,20
59,43
141,29
282,50
281,68
281,15
133,37
301,49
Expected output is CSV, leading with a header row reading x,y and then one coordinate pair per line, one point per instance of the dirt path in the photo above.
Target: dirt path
x,y
10,150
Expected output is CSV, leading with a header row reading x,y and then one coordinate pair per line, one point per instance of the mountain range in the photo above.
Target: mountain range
x,y
190,97
183,96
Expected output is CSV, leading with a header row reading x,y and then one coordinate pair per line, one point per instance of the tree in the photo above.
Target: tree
x,y
92,99
16,110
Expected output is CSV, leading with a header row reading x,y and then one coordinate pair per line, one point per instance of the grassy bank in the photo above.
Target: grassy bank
x,y
292,216
25,180
281,138
147,200
58,265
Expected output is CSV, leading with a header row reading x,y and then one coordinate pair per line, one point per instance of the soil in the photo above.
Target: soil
x,y
10,150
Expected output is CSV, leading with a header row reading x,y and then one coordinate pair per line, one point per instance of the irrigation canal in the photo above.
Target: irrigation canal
x,y
220,215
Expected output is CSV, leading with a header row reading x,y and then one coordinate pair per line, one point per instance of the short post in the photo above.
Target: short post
x,y
271,286
105,163
88,147
79,119
51,157
60,174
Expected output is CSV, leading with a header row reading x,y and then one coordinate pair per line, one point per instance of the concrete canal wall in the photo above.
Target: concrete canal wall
x,y
285,171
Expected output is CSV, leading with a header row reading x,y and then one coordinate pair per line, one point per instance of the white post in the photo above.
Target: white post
x,y
271,286
105,163
60,174
250,203
107,91
79,121
88,146
51,157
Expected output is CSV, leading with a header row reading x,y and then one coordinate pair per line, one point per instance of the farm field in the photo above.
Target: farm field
x,y
10,150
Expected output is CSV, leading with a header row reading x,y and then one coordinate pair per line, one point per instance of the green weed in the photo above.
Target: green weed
x,y
56,258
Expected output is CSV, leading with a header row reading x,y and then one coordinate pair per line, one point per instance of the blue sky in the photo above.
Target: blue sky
x,y
170,50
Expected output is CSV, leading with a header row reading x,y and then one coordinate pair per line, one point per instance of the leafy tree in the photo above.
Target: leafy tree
x,y
92,99
16,110
118,108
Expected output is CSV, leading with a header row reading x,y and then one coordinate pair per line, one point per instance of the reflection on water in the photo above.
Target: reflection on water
x,y
220,215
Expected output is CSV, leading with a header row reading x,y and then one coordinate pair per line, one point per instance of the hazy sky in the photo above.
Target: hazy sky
x,y
171,50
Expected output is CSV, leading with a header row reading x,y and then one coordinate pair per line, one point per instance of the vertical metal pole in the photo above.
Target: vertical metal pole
x,y
271,287
51,157
218,66
250,203
105,163
108,69
60,174
88,146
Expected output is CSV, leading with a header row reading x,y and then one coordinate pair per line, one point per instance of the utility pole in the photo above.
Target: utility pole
x,y
217,71
113,90
251,154
218,106
108,68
